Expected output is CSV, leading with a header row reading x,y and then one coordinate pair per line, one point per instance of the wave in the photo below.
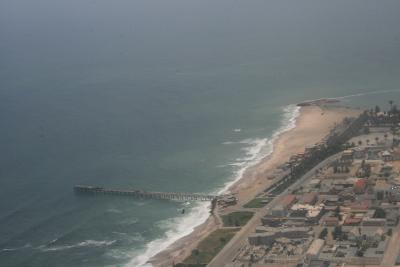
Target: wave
x,y
140,203
86,243
228,143
28,245
112,210
177,228
367,93
117,254
255,151
259,148
128,221
376,92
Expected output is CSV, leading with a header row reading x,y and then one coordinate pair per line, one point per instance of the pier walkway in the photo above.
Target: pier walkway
x,y
144,194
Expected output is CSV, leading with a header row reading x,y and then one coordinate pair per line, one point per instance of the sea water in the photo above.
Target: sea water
x,y
158,95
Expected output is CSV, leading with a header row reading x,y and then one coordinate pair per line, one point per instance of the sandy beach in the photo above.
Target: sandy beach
x,y
312,125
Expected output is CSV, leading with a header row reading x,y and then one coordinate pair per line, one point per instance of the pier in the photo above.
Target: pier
x,y
144,194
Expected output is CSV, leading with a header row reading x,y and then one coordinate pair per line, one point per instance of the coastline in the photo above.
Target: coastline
x,y
285,143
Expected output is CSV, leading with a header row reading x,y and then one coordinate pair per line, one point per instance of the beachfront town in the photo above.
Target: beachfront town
x,y
336,204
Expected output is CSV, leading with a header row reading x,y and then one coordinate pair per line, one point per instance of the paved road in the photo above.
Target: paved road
x,y
392,249
229,252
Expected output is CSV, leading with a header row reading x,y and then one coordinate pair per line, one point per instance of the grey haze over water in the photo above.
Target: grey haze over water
x,y
148,94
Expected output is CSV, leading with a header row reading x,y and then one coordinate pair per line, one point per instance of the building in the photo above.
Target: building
x,y
329,200
396,153
265,229
272,221
346,183
311,212
288,200
309,198
281,209
345,252
268,238
360,186
359,153
387,156
362,206
258,239
347,156
314,183
381,189
386,170
227,200
392,218
352,221
330,221
373,222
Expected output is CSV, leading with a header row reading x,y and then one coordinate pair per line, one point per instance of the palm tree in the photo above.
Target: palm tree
x,y
367,141
394,109
376,139
391,104
359,142
386,136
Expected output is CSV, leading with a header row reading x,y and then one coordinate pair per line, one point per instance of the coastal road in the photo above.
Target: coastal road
x,y
392,249
229,252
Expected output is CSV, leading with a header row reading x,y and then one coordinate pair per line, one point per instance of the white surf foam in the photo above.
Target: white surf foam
x,y
376,92
368,93
255,151
28,245
259,148
228,143
86,243
176,229
112,210
128,221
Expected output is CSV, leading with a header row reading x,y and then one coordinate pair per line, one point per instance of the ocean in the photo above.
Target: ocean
x,y
164,96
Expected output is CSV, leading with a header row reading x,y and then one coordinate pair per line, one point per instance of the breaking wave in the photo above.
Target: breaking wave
x,y
259,148
254,151
16,248
368,93
86,243
176,229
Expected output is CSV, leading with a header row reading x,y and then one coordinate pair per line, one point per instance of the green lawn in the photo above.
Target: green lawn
x,y
238,218
256,203
208,248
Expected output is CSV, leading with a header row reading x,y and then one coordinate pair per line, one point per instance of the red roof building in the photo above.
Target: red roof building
x,y
360,186
331,221
309,198
288,201
361,206
352,221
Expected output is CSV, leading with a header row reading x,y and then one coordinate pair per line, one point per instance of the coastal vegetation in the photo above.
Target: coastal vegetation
x,y
335,143
208,248
237,219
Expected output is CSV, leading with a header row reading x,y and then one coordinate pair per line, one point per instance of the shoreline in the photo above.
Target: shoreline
x,y
285,143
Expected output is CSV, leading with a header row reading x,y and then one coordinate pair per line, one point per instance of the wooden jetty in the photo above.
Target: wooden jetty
x,y
144,194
